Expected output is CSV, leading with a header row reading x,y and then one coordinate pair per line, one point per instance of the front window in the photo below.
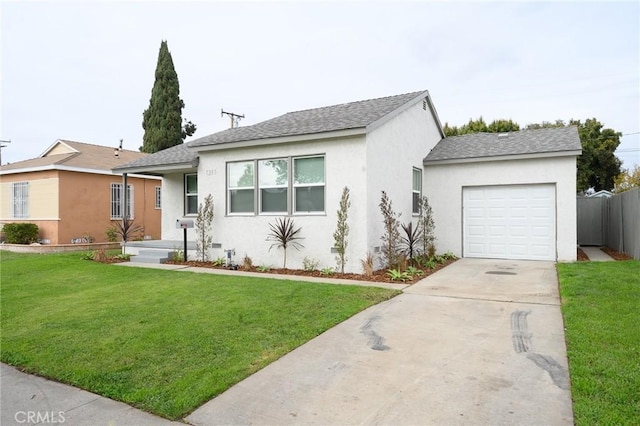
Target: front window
x,y
20,200
416,190
117,200
308,184
158,197
274,182
191,194
241,186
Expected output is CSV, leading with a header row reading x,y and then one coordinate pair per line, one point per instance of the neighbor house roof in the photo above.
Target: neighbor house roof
x,y
357,117
71,155
479,146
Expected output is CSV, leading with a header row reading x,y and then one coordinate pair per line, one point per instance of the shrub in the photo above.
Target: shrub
x,y
247,263
327,271
410,240
21,233
112,234
263,268
310,265
367,265
219,261
396,275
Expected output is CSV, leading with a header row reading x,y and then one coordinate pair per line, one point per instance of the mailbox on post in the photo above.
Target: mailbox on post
x,y
184,224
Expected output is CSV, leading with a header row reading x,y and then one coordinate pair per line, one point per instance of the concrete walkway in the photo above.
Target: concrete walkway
x,y
479,342
596,255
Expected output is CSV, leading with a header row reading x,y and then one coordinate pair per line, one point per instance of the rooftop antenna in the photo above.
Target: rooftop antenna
x,y
116,151
2,146
235,118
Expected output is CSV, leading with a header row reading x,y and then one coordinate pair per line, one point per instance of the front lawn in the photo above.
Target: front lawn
x,y
601,309
162,341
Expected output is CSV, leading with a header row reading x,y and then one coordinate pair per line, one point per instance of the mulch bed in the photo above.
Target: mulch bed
x,y
582,257
616,254
378,276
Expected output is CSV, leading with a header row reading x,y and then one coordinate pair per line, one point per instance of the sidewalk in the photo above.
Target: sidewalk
x,y
596,255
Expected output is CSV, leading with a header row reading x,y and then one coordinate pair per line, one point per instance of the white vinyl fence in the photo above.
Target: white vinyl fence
x,y
613,222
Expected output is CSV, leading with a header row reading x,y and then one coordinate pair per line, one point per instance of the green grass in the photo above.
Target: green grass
x,y
601,309
162,341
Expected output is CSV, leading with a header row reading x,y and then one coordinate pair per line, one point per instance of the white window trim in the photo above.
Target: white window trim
x,y
20,200
158,197
130,205
186,195
414,191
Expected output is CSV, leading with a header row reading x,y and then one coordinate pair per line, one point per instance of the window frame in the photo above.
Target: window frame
x,y
415,209
295,185
20,200
286,186
189,194
158,197
116,205
241,188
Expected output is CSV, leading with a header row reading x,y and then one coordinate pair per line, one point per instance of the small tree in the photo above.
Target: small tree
x,y
203,228
126,229
342,230
390,252
426,225
283,234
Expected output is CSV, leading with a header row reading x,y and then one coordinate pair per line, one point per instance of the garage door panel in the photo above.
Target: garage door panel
x,y
511,222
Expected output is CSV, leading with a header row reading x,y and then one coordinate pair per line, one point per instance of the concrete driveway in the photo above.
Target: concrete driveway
x,y
479,342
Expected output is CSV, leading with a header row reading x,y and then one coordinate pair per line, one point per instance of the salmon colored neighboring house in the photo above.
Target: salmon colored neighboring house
x,y
70,192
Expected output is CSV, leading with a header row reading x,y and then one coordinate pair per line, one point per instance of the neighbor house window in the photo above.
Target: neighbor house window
x,y
308,184
117,199
241,186
416,190
158,199
191,194
20,200
273,176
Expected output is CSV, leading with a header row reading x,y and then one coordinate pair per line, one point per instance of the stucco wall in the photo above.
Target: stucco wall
x,y
393,150
443,185
344,166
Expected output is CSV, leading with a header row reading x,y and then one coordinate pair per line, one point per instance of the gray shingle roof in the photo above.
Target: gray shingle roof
x,y
179,154
481,145
351,115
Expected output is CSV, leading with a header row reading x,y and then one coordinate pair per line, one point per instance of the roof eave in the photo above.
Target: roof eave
x,y
536,155
281,140
159,169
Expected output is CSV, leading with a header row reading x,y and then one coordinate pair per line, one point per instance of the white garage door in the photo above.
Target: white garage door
x,y
510,222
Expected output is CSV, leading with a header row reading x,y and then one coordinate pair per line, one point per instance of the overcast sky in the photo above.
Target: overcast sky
x,y
84,70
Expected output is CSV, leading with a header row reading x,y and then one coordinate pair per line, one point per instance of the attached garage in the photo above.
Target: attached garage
x,y
505,196
509,222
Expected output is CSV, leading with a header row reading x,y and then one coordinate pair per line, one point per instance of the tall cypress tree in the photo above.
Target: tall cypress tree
x,y
162,121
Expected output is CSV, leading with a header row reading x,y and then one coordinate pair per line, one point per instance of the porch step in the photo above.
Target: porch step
x,y
152,256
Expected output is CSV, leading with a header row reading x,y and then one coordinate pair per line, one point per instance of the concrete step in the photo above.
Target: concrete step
x,y
152,256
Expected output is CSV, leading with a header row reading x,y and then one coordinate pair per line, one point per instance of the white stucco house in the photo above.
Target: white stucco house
x,y
503,196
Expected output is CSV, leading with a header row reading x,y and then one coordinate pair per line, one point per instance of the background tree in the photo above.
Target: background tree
x,y
598,165
162,121
628,179
479,126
